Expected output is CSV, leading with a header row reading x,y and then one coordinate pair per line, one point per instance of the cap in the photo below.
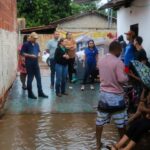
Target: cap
x,y
131,33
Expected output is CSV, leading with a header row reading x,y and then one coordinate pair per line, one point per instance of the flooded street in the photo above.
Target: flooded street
x,y
66,123
50,132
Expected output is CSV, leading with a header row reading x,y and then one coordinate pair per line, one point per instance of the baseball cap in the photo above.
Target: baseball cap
x,y
131,33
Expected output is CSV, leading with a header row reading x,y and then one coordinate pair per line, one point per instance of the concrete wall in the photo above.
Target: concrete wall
x,y
8,45
138,13
87,23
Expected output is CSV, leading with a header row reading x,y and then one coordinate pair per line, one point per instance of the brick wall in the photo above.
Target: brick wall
x,y
8,15
8,46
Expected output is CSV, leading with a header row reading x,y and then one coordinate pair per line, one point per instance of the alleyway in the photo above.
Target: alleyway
x,y
66,123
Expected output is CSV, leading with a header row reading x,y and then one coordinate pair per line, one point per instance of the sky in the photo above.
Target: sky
x,y
102,2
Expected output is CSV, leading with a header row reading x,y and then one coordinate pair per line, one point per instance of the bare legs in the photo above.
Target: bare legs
x,y
122,143
99,130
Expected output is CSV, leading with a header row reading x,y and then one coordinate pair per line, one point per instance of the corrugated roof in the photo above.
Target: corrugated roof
x,y
116,4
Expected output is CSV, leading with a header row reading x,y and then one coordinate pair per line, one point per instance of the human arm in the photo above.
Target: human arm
x,y
48,46
121,76
135,116
84,58
59,54
131,74
144,109
24,52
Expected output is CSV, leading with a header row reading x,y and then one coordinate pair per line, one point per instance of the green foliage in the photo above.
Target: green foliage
x,y
78,8
42,12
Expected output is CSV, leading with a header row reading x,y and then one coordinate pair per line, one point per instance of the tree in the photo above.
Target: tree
x,y
79,8
42,12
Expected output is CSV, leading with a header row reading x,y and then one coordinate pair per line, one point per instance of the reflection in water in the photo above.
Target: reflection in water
x,y
50,132
53,132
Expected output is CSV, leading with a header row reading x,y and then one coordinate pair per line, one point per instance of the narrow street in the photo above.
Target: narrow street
x,y
66,123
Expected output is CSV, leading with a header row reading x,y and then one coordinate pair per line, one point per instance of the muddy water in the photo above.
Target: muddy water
x,y
51,132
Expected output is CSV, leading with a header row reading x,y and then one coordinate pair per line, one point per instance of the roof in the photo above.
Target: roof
x,y
79,16
53,25
40,29
116,4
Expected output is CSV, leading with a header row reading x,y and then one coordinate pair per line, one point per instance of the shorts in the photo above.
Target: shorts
x,y
120,117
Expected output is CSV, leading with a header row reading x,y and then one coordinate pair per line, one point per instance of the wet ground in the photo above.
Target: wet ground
x,y
66,123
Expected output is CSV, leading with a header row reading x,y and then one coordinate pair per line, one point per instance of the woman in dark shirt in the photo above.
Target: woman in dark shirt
x,y
61,57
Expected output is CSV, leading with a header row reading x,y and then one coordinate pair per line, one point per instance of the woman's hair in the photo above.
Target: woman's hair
x,y
25,38
60,41
67,34
89,43
115,45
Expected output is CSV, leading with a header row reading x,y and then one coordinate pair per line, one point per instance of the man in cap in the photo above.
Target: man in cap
x,y
129,51
31,51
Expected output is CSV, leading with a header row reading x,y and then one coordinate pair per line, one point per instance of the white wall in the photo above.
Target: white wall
x,y
139,13
8,59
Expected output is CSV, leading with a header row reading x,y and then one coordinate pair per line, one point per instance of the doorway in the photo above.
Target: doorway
x,y
135,28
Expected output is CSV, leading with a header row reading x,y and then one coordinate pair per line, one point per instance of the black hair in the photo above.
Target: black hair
x,y
25,38
120,38
139,39
60,41
91,41
67,34
114,45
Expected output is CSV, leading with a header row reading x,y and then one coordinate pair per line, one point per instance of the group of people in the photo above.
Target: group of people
x,y
116,71
62,55
62,58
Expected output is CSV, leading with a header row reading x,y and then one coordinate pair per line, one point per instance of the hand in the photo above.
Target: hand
x,y
33,56
66,56
141,106
148,116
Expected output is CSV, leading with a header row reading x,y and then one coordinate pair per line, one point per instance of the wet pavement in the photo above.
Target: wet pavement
x,y
66,123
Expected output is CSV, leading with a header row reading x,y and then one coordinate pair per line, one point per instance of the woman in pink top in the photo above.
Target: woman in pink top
x,y
21,65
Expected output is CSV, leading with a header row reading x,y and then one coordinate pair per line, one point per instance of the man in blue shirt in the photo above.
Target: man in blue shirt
x,y
129,51
31,51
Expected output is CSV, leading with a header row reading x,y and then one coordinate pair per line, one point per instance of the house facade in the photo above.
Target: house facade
x,y
133,15
91,24
136,17
8,46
